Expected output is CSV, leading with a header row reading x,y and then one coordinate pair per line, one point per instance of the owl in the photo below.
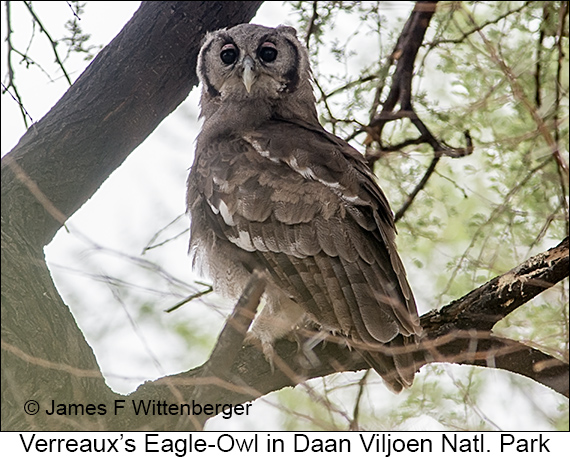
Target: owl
x,y
271,190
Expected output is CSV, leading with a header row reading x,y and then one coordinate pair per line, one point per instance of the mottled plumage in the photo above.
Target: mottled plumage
x,y
271,189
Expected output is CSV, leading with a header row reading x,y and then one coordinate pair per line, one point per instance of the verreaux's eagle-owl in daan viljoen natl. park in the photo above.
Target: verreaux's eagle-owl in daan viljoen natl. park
x,y
271,190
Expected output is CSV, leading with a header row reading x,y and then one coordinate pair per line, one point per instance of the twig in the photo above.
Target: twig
x,y
10,83
326,103
348,85
16,97
416,191
426,177
311,27
151,243
50,39
188,299
73,10
361,386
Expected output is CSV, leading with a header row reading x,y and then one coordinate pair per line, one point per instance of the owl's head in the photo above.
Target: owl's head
x,y
252,65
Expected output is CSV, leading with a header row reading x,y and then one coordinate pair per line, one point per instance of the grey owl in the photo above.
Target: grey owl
x,y
271,190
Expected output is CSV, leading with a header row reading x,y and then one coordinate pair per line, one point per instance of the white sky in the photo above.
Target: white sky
x,y
140,198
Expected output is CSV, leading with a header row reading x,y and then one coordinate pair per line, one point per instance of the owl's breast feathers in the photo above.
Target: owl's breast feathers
x,y
303,205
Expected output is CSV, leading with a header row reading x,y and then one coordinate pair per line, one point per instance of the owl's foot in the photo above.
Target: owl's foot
x,y
266,347
306,346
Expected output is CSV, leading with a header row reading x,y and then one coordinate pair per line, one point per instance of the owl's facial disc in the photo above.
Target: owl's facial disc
x,y
249,74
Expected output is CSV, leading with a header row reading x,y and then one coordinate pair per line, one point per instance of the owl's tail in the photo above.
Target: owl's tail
x,y
398,365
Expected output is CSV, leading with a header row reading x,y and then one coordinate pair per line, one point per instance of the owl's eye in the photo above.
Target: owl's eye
x,y
229,54
268,52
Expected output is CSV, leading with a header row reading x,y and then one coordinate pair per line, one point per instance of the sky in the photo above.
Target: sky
x,y
143,197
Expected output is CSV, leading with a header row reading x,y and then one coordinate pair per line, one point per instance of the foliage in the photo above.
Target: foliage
x,y
493,69
42,49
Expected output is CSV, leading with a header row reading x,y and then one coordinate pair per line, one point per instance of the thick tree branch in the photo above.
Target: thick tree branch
x,y
482,308
485,350
233,333
128,89
458,333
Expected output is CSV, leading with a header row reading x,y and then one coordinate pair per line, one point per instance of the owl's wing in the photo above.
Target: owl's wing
x,y
307,205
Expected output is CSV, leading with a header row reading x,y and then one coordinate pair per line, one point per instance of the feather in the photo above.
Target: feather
x,y
334,292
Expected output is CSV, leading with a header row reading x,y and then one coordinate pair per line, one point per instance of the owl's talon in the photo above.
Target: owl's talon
x,y
266,347
296,337
269,353
250,339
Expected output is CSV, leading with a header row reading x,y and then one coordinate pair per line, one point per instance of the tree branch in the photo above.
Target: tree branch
x,y
485,350
483,307
127,90
52,43
233,333
10,83
458,333
400,93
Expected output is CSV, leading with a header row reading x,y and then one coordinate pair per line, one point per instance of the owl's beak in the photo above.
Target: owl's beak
x,y
248,73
